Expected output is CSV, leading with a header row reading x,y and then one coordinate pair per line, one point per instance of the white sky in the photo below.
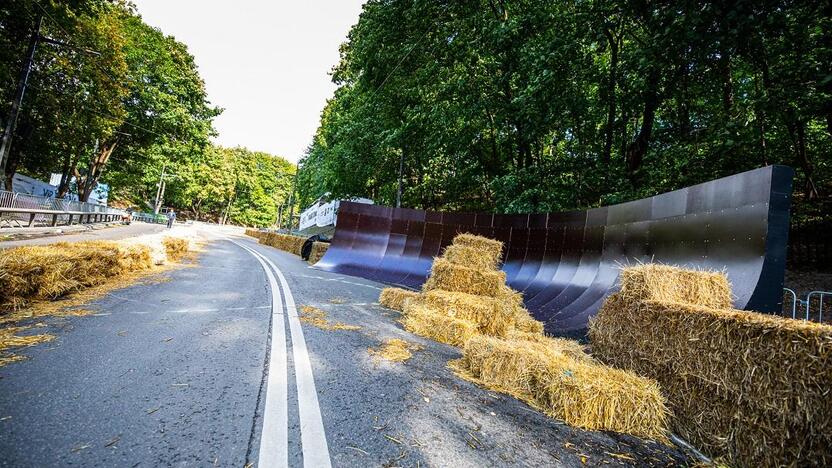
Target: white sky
x,y
267,62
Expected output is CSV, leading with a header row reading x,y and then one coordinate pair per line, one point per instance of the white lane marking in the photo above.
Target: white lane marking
x,y
274,437
339,281
312,433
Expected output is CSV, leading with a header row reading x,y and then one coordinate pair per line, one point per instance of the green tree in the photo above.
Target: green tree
x,y
534,105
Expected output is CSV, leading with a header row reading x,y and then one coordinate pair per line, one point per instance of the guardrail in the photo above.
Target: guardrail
x,y
17,207
806,304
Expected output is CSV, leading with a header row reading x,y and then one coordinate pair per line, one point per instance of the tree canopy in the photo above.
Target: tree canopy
x,y
111,99
534,105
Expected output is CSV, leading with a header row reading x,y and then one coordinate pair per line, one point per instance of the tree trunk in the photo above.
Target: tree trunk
x,y
69,168
87,183
684,104
611,96
797,133
11,168
638,148
727,81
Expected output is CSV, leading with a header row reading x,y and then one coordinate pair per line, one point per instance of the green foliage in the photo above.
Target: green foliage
x,y
117,95
534,105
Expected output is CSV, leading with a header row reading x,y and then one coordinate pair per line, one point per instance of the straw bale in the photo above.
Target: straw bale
x,y
579,392
511,296
37,273
571,348
254,233
291,244
394,298
525,322
749,387
653,282
491,248
48,272
451,277
425,322
493,317
318,251
471,257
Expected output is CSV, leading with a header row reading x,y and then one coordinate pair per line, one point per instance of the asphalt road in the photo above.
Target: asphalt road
x,y
179,373
99,232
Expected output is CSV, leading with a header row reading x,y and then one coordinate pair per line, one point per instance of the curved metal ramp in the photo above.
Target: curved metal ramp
x,y
567,263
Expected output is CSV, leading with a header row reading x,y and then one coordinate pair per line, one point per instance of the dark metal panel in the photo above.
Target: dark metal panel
x,y
534,253
567,263
552,253
410,264
369,242
570,260
767,295
338,252
389,269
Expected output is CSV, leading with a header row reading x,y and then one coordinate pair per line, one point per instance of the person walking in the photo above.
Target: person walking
x,y
171,218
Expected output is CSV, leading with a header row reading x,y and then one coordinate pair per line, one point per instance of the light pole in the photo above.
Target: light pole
x,y
292,200
160,191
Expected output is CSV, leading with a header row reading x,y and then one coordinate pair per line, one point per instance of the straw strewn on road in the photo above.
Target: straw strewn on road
x,y
32,278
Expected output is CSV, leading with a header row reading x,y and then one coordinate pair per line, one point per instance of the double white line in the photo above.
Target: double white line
x,y
274,439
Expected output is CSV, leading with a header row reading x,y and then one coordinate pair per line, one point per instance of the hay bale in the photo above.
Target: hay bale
x,y
652,282
579,392
287,243
50,271
318,251
524,322
451,277
749,387
492,317
471,257
394,298
491,248
571,348
423,321
511,296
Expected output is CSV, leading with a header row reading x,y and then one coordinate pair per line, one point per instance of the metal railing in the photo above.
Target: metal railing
x,y
807,303
17,207
820,295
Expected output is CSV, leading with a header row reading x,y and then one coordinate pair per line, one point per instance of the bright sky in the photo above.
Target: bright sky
x,y
266,62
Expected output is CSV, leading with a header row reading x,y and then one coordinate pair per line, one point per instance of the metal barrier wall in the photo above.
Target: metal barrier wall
x,y
565,264
20,202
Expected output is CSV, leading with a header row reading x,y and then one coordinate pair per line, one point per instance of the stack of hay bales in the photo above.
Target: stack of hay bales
x,y
289,243
50,271
318,251
256,233
285,242
36,273
748,387
466,303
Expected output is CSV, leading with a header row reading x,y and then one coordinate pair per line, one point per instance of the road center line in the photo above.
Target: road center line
x,y
312,433
274,437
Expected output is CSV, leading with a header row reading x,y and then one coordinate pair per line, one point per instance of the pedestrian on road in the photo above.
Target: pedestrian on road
x,y
171,218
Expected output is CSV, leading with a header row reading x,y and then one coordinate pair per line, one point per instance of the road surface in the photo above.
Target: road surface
x,y
105,233
189,372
